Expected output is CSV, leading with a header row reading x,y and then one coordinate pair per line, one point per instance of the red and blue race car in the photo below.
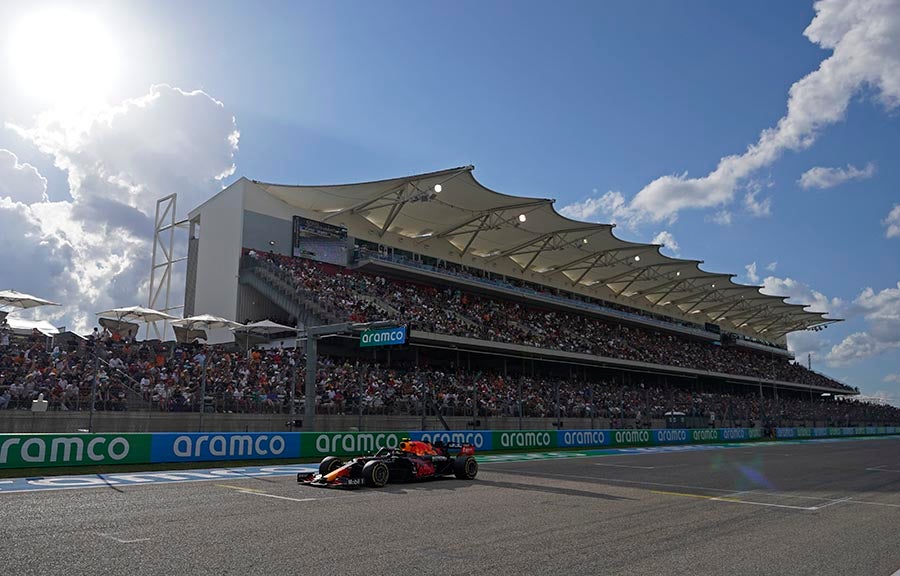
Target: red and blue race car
x,y
411,460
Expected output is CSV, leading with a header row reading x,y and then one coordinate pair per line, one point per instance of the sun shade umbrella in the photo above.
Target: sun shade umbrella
x,y
261,328
138,313
206,322
266,327
21,300
24,327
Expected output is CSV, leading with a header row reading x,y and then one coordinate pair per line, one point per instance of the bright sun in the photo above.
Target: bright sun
x,y
63,57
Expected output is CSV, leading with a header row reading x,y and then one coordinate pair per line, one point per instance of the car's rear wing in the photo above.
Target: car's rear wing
x,y
464,448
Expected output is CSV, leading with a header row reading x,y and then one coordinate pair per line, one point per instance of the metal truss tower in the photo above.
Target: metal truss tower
x,y
164,225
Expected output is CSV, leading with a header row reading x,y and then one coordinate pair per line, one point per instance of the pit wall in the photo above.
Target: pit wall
x,y
46,450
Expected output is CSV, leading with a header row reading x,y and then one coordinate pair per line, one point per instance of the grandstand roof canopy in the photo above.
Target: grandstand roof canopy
x,y
453,207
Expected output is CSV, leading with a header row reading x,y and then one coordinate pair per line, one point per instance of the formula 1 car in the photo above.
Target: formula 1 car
x,y
411,460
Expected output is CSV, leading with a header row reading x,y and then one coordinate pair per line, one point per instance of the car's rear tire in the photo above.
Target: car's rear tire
x,y
376,473
465,468
330,464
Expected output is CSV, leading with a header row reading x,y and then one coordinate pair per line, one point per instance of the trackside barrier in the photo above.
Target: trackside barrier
x,y
204,447
40,450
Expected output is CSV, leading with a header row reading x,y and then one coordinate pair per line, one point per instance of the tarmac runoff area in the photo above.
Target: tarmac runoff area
x,y
774,508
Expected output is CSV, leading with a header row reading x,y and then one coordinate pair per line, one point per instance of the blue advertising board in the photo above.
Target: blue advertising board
x,y
198,447
583,438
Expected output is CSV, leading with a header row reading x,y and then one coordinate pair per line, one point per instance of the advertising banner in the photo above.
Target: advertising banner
x,y
321,444
736,434
671,436
583,438
198,447
383,337
706,435
483,441
631,437
39,450
524,439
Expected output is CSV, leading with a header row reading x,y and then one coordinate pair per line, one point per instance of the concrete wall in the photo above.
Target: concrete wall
x,y
218,256
261,229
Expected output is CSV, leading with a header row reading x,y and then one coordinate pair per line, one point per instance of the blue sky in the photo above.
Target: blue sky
x,y
584,102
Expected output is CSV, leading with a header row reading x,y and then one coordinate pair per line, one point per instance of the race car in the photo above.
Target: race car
x,y
411,460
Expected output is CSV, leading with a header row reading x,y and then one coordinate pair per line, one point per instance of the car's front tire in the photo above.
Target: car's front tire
x,y
329,464
465,468
375,473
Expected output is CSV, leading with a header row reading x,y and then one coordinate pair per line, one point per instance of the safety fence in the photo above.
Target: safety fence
x,y
44,450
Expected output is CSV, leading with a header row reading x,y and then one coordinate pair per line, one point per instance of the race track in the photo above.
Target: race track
x,y
814,508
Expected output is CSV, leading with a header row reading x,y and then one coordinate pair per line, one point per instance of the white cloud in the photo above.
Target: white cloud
x,y
892,378
93,251
582,210
855,347
802,342
821,177
892,222
800,293
751,272
611,205
864,37
805,344
722,218
20,182
881,311
771,266
888,397
667,240
757,208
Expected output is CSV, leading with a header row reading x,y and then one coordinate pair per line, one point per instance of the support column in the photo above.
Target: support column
x,y
309,408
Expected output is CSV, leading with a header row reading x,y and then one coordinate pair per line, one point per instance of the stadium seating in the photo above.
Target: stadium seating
x,y
166,377
352,295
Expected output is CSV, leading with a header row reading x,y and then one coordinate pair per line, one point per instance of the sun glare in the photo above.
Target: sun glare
x,y
63,57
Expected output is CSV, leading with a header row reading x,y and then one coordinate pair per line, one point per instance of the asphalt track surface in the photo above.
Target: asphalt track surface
x,y
812,508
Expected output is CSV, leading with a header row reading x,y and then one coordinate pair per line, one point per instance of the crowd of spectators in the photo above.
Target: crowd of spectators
x,y
165,377
483,276
360,296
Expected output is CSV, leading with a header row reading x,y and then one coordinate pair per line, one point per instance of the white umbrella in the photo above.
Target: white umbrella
x,y
138,313
206,322
22,326
21,300
266,327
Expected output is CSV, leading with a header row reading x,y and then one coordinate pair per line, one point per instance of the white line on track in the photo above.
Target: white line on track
x,y
253,492
121,541
832,503
578,477
882,469
767,504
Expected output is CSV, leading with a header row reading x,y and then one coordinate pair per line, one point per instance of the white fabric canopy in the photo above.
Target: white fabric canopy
x,y
18,299
453,208
22,326
136,313
205,322
263,327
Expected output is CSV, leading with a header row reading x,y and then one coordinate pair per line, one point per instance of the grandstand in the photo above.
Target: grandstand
x,y
485,276
512,311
